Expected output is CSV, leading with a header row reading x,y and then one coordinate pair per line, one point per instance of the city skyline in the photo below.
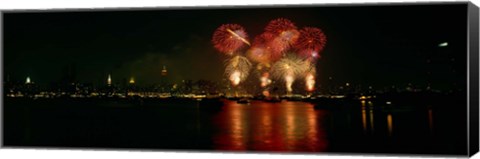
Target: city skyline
x,y
277,79
393,48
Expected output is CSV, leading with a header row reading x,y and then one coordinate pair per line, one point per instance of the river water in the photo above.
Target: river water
x,y
287,126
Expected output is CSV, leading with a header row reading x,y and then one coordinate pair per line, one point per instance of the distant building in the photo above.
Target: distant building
x,y
29,89
28,81
109,80
164,71
164,86
132,80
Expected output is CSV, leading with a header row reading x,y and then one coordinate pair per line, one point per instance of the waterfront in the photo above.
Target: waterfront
x,y
361,126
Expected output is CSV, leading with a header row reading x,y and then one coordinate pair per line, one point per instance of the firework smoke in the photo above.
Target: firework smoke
x,y
237,69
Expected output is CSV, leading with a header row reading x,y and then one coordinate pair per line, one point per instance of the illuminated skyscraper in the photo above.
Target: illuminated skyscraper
x,y
164,71
109,80
28,81
163,80
131,81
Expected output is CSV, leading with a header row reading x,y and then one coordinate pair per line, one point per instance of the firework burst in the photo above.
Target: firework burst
x,y
259,54
285,34
262,67
280,25
310,82
265,80
310,76
288,69
261,51
237,69
229,38
290,64
311,42
262,71
280,36
285,40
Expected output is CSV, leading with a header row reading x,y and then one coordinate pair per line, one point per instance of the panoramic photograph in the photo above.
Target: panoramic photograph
x,y
373,79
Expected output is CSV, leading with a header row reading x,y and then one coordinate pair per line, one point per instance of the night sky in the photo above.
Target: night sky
x,y
367,45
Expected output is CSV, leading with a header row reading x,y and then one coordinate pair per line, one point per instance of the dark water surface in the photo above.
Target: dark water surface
x,y
289,126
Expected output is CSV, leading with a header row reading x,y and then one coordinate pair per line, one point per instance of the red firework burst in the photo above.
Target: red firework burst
x,y
228,38
285,35
263,39
280,25
266,48
260,51
278,46
258,54
311,42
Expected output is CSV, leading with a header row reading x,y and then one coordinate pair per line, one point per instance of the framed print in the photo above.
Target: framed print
x,y
396,79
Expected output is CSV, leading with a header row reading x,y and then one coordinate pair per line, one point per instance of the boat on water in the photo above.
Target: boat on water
x,y
243,101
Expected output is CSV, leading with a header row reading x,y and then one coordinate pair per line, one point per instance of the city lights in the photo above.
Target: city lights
x,y
444,44
27,81
109,80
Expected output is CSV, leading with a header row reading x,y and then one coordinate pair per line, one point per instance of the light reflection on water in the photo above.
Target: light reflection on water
x,y
371,126
364,117
298,127
370,105
345,126
390,124
286,126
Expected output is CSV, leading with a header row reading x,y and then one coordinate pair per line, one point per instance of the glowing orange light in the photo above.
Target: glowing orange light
x,y
235,77
364,117
132,80
310,82
109,80
288,82
266,93
390,124
265,81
